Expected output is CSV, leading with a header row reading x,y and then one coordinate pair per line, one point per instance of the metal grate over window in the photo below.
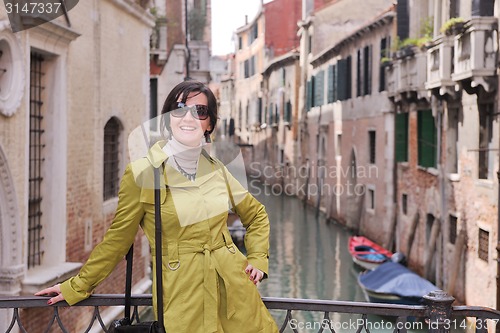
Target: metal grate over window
x,y
111,159
36,159
482,249
372,136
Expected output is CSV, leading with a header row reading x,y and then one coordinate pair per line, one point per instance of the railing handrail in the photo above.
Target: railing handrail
x,y
437,308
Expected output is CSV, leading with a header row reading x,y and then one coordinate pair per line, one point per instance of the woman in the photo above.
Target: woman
x,y
209,285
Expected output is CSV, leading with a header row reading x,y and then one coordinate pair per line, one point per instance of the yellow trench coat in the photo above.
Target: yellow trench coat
x,y
210,291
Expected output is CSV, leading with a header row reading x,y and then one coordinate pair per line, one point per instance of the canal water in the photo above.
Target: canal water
x,y
309,259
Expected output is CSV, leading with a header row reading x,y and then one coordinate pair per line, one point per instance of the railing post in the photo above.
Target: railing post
x,y
438,313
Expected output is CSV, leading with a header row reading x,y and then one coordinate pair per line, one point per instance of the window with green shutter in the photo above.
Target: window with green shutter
x,y
332,83
401,137
348,79
427,137
367,70
384,54
288,112
341,83
308,95
343,79
359,73
319,84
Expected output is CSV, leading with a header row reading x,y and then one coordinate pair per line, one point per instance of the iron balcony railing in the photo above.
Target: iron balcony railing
x,y
435,315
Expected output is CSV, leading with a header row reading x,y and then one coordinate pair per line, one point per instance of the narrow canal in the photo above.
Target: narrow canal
x,y
309,258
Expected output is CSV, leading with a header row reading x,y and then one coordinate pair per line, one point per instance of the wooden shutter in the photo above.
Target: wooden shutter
x,y
308,95
401,137
367,66
359,73
319,87
403,21
330,84
349,77
341,81
426,139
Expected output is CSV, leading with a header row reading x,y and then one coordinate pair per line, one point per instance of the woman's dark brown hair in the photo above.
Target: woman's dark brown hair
x,y
183,90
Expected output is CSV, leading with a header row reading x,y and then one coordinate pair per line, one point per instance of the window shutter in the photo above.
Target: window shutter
x,y
383,54
288,112
368,70
403,21
331,81
313,89
426,139
319,88
259,106
308,94
359,73
335,81
341,81
401,137
348,82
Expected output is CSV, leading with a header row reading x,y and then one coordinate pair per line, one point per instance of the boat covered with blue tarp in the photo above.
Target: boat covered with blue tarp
x,y
394,283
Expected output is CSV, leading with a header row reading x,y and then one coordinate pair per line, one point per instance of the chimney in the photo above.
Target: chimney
x,y
246,19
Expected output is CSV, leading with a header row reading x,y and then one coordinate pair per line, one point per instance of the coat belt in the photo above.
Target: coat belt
x,y
211,271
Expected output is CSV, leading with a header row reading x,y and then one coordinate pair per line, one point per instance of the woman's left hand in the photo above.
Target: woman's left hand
x,y
254,274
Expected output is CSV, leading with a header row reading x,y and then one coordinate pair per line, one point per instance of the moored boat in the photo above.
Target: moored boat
x,y
367,253
394,283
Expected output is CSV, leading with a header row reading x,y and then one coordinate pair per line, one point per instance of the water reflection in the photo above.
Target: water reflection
x,y
309,258
308,255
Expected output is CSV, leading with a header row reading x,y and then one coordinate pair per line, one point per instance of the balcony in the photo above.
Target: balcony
x,y
440,66
436,315
476,54
158,42
407,76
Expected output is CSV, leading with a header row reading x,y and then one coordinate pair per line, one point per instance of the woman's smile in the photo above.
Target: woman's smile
x,y
187,129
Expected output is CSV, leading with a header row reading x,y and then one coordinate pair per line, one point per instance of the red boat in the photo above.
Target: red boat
x,y
366,253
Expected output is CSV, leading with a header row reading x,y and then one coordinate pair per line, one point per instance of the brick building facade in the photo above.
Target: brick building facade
x,y
64,146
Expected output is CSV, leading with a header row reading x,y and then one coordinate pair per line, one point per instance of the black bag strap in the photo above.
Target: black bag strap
x,y
158,246
158,254
128,282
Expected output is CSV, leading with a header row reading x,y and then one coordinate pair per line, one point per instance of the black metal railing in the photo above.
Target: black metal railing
x,y
436,315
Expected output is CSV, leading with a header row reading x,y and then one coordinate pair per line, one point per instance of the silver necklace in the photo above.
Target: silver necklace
x,y
190,176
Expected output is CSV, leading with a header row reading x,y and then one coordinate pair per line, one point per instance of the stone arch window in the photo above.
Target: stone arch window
x,y
111,158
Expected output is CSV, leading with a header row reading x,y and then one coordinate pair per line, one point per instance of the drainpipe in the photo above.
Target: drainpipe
x,y
444,209
498,247
186,40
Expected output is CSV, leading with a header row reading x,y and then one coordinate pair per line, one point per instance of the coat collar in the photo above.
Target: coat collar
x,y
156,155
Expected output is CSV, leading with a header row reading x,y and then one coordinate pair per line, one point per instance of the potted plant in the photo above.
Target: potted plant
x,y
453,26
385,61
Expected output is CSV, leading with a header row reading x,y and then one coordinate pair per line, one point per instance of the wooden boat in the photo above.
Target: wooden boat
x,y
393,283
366,253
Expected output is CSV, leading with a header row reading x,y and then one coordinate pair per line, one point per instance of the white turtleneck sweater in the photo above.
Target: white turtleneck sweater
x,y
185,156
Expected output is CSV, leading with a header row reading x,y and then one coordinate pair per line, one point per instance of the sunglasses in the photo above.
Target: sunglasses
x,y
198,111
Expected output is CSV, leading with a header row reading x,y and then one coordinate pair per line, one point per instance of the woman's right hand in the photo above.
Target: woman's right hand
x,y
52,291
